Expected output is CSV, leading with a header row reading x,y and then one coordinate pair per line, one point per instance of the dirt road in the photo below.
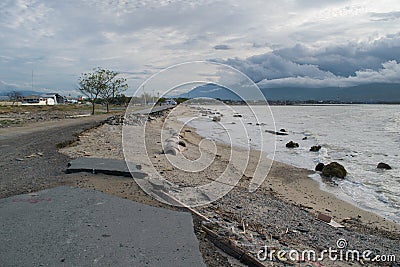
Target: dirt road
x,y
29,160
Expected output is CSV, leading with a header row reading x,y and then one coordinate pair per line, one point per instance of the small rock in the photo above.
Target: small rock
x,y
216,118
282,130
292,144
334,169
315,148
182,143
171,150
383,165
305,138
320,166
237,115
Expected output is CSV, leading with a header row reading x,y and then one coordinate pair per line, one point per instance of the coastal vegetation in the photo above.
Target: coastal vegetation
x,y
101,83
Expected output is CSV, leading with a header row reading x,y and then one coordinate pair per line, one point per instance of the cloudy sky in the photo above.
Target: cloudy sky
x,y
277,43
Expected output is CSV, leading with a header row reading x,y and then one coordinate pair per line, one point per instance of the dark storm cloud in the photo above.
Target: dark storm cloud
x,y
61,39
340,65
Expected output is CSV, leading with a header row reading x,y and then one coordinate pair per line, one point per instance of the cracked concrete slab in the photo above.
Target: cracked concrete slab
x,y
106,166
67,226
154,109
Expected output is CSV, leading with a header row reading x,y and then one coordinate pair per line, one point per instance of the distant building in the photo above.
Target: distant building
x,y
49,99
57,99
82,98
71,101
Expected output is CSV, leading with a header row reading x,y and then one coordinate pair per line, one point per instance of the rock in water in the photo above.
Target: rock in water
x,y
315,148
334,169
292,144
216,118
383,165
320,166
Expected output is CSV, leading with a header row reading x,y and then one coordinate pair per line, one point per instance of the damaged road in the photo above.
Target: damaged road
x,y
29,158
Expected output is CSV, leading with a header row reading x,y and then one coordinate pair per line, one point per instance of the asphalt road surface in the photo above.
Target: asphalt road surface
x,y
29,160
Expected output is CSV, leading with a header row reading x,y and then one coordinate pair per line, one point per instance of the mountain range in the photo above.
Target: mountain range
x,y
376,92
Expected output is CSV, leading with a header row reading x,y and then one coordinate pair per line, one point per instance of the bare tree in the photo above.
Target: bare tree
x,y
101,83
14,96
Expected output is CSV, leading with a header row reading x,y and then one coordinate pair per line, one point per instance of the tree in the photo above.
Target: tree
x,y
101,83
114,87
14,96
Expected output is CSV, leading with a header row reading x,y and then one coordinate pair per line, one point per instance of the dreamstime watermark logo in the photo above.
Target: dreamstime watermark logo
x,y
195,82
339,253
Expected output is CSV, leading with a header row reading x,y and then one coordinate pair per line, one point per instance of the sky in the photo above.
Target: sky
x,y
307,43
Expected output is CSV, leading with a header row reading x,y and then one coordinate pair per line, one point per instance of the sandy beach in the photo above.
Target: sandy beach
x,y
281,213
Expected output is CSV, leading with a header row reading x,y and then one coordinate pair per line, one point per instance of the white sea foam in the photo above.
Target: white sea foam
x,y
357,136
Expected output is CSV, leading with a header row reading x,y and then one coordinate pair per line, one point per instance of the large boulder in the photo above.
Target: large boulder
x,y
334,169
315,148
292,144
320,166
385,166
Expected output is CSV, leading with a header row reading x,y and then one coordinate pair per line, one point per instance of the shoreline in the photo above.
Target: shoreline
x,y
282,212
291,183
297,191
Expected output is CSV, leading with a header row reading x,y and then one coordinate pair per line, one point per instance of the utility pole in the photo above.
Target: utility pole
x,y
144,96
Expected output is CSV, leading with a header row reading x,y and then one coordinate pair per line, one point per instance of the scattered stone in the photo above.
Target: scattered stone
x,y
315,148
334,169
320,166
324,217
170,150
237,115
182,143
216,118
292,144
305,138
19,159
282,130
383,165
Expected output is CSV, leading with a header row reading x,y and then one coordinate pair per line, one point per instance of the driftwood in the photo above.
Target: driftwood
x,y
229,247
276,133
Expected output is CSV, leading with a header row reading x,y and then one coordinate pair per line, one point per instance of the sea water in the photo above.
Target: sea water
x,y
356,136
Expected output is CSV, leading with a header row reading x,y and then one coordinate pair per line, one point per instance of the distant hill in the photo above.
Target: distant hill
x,y
7,88
377,92
212,91
23,92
